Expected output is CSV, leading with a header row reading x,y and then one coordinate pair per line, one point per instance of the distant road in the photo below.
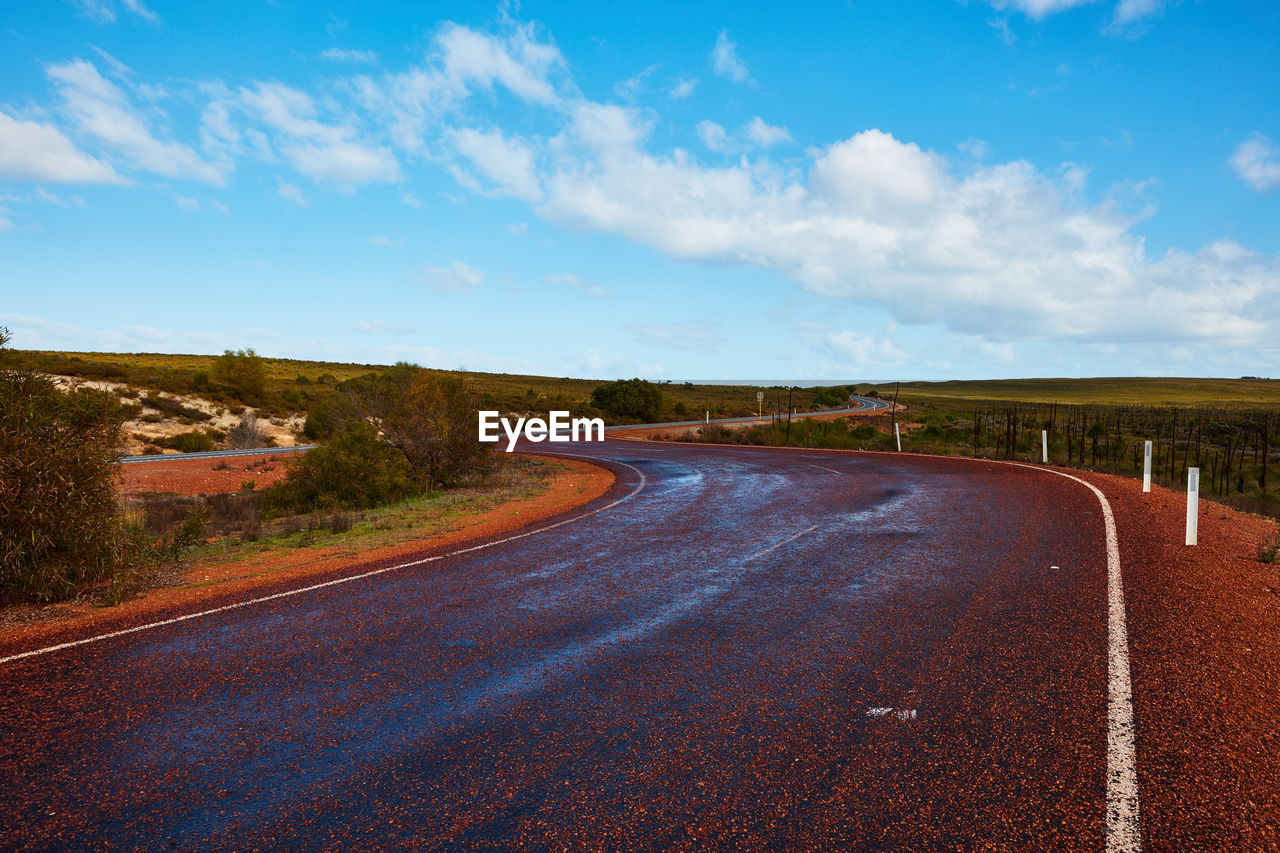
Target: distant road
x,y
865,404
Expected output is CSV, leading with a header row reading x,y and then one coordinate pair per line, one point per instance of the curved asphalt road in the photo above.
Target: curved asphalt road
x,y
735,648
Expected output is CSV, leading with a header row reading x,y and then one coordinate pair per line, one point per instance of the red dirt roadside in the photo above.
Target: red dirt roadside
x,y
1204,637
201,476
581,483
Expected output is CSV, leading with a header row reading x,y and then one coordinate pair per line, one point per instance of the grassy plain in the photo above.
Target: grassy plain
x,y
1141,390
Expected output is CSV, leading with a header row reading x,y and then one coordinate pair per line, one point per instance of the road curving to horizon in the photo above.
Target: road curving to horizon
x,y
736,647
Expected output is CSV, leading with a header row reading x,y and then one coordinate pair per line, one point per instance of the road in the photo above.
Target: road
x,y
735,648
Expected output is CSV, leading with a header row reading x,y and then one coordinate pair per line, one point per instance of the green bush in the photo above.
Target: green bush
x,y
243,373
355,469
60,526
629,398
187,442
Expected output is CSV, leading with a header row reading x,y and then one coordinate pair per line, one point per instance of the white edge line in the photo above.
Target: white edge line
x,y
1124,829
337,581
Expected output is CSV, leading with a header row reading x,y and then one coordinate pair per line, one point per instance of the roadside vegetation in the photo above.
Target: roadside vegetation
x,y
1236,449
243,524
279,390
61,528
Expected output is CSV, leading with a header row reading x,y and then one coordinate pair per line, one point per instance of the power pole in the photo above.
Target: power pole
x,y
789,416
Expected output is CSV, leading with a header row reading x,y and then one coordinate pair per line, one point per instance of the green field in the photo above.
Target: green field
x,y
1149,391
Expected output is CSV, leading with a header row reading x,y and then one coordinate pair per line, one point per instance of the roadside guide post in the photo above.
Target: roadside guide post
x,y
1146,467
708,417
897,437
1193,504
1044,446
759,405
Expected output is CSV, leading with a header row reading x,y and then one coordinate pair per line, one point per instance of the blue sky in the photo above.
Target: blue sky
x,y
849,190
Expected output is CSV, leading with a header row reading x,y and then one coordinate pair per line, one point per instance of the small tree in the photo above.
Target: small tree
x,y
629,398
430,418
59,525
243,373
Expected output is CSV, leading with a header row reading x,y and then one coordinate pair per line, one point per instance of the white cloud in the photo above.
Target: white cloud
x,y
506,162
1038,8
519,229
864,348
1125,12
326,153
456,277
385,242
460,62
104,11
1257,160
1000,251
518,61
1132,10
975,148
765,135
635,84
187,203
411,200
30,151
289,192
712,135
571,280
754,134
725,61
221,208
102,110
700,335
354,57
6,224
380,327
683,88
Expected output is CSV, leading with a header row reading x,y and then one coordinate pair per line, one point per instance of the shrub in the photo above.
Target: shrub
x,y
355,470
60,527
243,373
248,434
629,398
187,442
1268,553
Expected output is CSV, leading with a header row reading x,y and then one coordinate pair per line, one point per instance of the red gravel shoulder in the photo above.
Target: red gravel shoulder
x,y
1204,634
202,476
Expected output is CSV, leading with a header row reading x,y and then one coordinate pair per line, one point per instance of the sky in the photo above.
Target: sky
x,y
840,190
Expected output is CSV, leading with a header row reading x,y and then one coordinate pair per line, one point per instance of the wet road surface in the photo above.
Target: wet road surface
x,y
748,648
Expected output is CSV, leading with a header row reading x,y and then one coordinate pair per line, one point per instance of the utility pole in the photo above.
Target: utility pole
x,y
789,390
893,412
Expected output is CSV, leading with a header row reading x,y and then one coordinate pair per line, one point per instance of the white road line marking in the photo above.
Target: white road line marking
x,y
775,546
825,468
336,582
1124,830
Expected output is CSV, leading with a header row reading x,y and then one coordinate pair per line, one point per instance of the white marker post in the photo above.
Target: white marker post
x,y
708,417
897,436
1044,446
1193,504
759,405
1146,467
